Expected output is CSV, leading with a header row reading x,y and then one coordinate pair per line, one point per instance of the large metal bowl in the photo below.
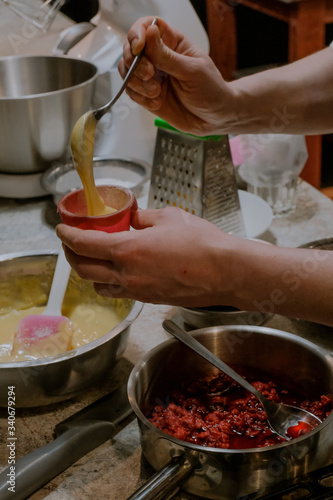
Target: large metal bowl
x,y
226,474
56,378
41,97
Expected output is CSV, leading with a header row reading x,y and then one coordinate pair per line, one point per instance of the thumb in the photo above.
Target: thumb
x,y
142,219
163,57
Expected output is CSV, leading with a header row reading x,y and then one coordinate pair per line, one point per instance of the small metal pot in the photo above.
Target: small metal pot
x,y
201,317
41,97
324,244
226,474
55,378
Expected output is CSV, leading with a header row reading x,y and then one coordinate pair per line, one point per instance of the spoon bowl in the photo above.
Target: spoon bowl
x,y
285,420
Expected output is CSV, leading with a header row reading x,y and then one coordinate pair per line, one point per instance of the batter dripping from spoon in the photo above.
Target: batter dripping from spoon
x,y
82,145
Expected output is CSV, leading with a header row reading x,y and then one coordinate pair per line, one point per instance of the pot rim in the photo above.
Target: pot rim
x,y
317,244
98,161
53,92
79,351
207,449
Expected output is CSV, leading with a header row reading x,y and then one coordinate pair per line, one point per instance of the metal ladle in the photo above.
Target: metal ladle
x,y
281,417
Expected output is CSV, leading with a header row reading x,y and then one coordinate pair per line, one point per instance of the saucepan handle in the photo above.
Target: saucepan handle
x,y
169,479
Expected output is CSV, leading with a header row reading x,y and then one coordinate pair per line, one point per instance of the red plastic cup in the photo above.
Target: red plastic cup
x,y
73,209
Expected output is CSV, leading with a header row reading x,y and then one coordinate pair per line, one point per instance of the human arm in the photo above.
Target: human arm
x,y
193,97
176,258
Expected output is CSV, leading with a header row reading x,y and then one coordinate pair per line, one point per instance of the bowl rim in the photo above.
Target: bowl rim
x,y
53,92
125,323
64,168
134,376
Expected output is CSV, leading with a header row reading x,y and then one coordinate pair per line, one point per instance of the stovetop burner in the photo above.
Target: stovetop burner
x,y
317,485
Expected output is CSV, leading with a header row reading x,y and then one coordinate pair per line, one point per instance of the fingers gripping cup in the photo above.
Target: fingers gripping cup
x,y
73,210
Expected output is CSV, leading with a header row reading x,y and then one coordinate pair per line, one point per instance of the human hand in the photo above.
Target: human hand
x,y
171,258
191,94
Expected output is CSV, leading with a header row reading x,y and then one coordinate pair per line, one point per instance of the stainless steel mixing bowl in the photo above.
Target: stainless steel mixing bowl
x,y
55,378
227,474
41,97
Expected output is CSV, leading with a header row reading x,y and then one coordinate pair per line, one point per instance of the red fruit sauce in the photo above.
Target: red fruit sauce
x,y
218,413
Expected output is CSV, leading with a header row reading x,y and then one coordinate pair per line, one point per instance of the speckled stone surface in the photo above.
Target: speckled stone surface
x,y
116,469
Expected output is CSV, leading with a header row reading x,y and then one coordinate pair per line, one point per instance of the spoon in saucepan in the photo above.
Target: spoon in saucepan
x,y
284,420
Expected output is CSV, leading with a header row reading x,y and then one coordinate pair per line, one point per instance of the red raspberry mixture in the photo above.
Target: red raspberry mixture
x,y
217,412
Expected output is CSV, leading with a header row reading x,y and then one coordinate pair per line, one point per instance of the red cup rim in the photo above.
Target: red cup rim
x,y
131,206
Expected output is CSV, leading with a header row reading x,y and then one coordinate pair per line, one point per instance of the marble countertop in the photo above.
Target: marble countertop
x,y
116,469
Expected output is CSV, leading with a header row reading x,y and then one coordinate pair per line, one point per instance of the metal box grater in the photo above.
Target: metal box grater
x,y
197,175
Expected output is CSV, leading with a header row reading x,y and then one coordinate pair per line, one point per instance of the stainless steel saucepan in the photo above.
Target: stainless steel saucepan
x,y
225,474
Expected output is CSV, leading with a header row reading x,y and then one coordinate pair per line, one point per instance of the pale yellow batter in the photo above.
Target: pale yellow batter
x,y
93,316
82,145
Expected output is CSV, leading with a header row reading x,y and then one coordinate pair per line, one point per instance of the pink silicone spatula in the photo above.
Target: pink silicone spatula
x,y
49,333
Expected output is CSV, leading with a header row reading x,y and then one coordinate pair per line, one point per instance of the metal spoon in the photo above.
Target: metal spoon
x,y
99,112
281,417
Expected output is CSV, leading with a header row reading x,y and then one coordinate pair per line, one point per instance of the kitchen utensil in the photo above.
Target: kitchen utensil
x,y
99,112
132,174
74,437
197,175
57,378
71,36
36,331
281,417
200,317
324,244
39,13
226,474
73,209
41,97
82,146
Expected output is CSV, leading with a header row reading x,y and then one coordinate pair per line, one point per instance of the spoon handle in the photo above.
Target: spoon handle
x,y
98,113
59,285
191,342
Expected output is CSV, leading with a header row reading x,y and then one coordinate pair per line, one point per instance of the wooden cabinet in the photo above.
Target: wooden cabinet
x,y
306,20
